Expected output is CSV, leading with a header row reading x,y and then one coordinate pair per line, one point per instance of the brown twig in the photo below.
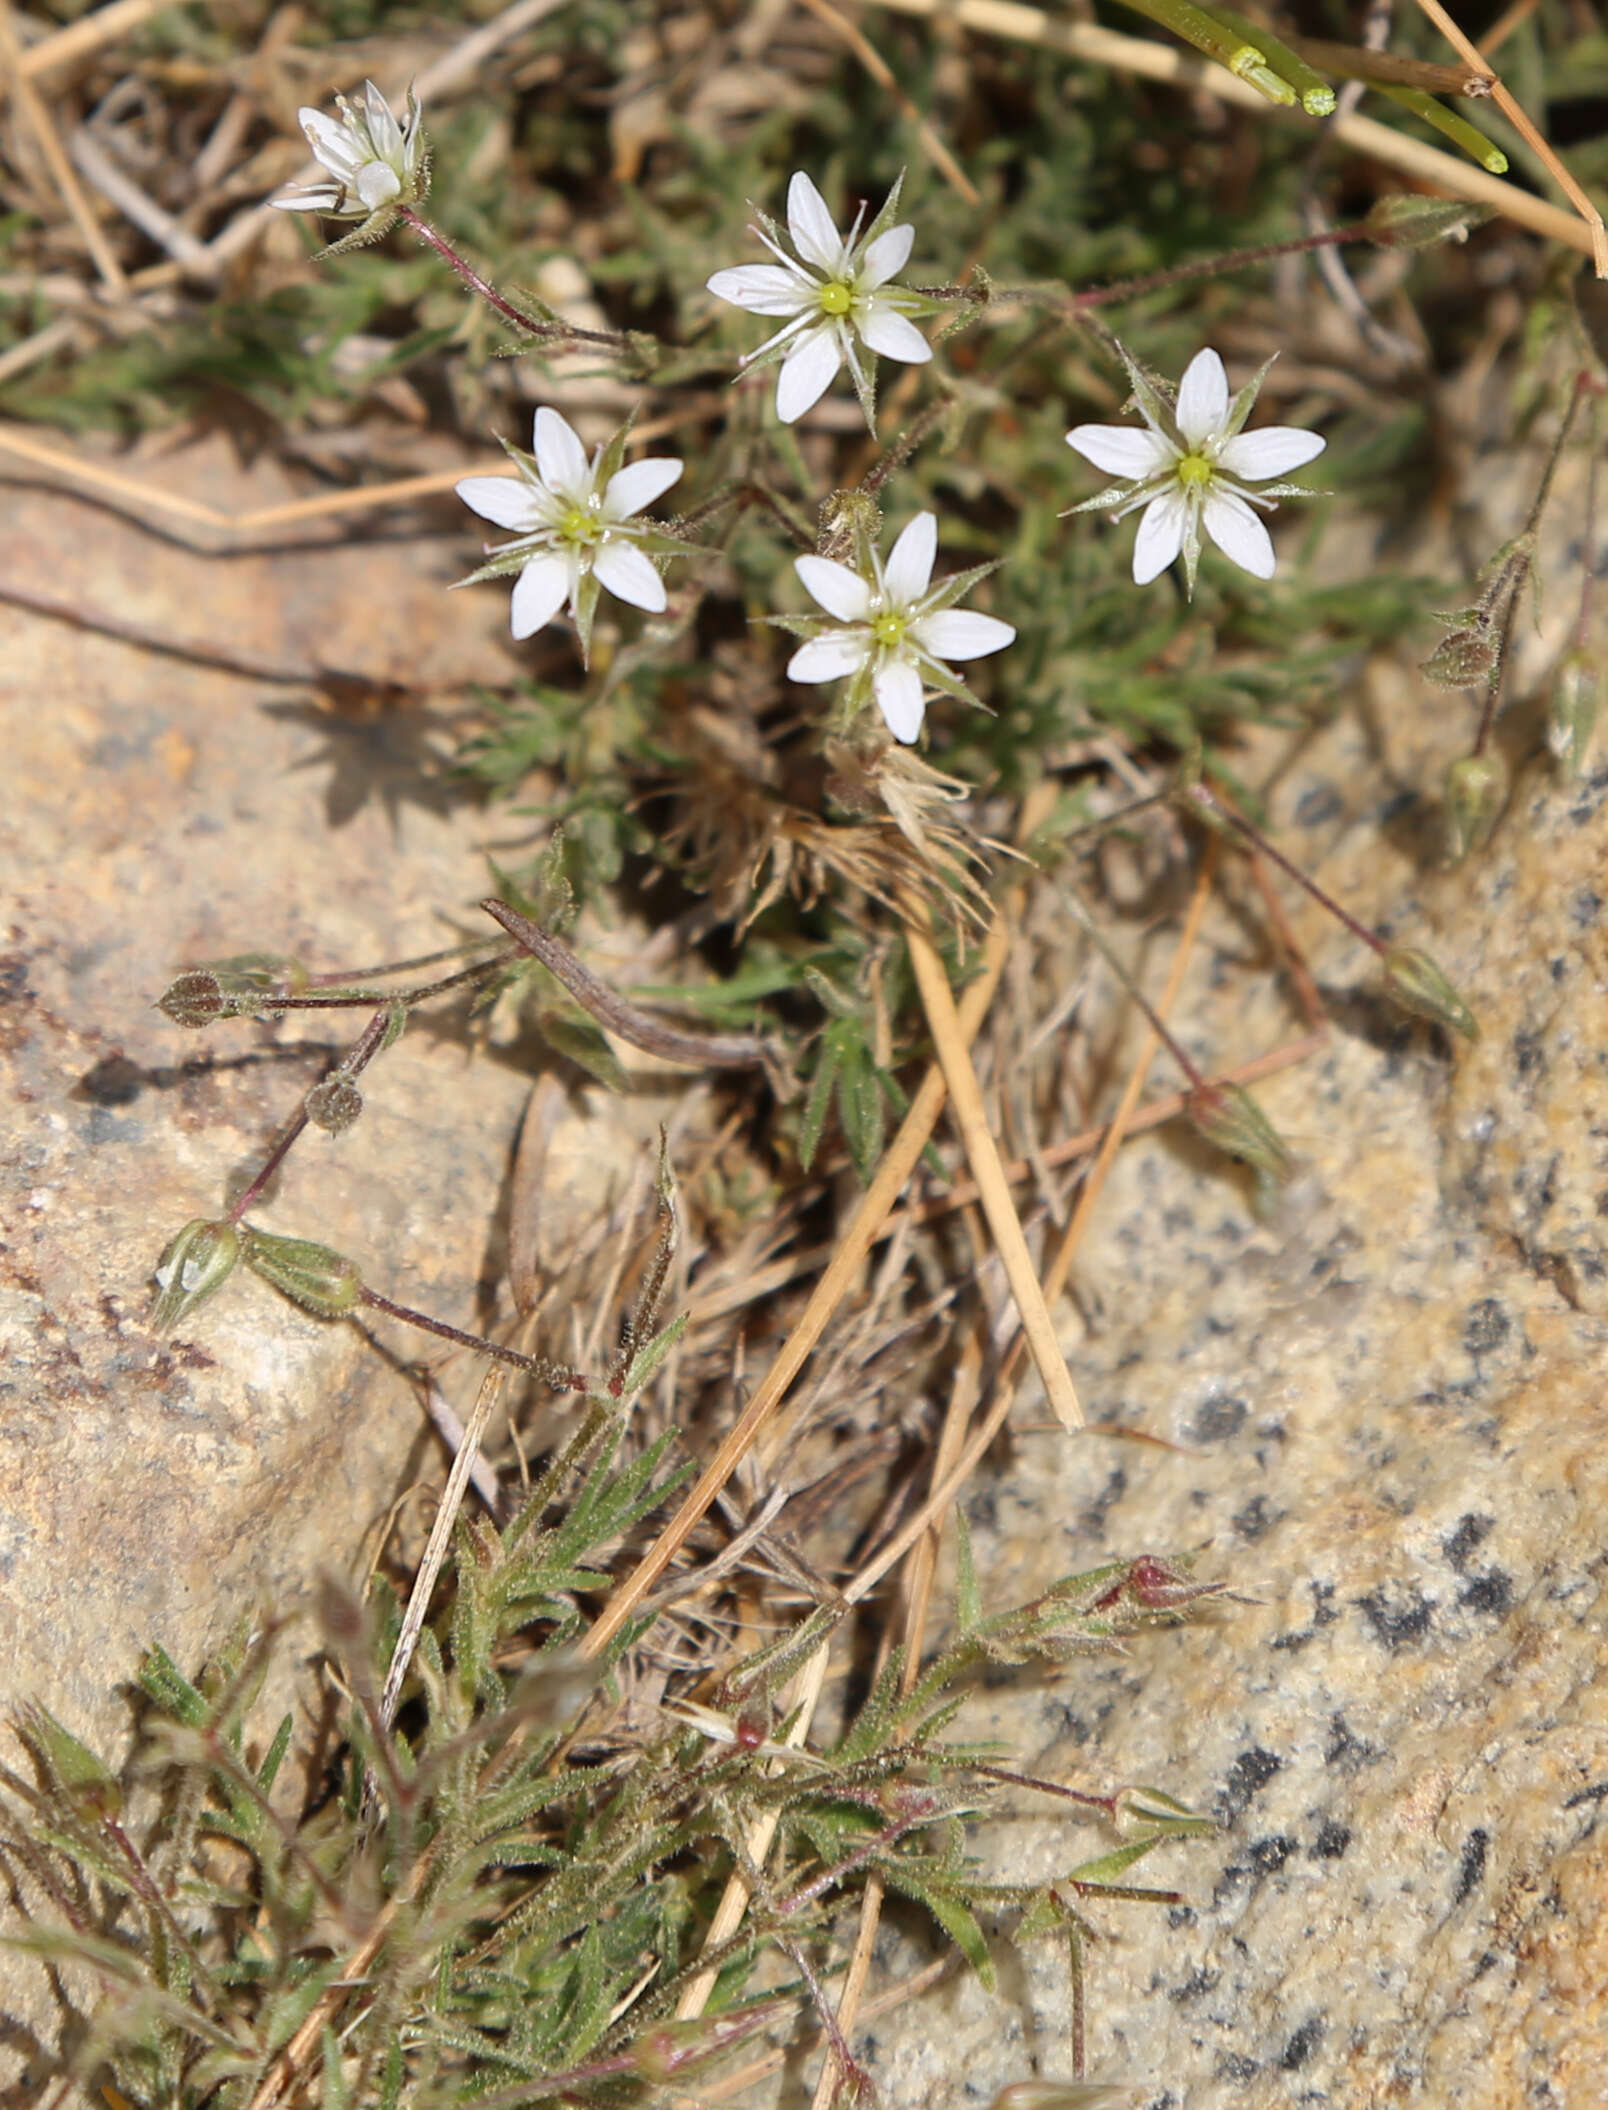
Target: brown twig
x,y
40,123
1521,122
1144,56
729,1051
89,34
920,1567
1155,1114
874,63
235,527
896,1167
944,1492
971,1117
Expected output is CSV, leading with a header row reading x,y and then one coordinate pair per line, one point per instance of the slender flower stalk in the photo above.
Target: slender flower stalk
x,y
1190,466
837,295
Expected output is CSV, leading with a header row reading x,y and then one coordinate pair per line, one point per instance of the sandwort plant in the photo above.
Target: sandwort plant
x,y
842,682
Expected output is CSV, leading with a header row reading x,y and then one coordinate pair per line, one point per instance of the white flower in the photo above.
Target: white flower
x,y
889,629
374,163
1189,467
572,519
836,291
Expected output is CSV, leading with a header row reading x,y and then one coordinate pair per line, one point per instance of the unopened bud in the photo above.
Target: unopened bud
x,y
1418,985
200,1260
194,998
1476,787
1464,659
1230,1119
335,1104
314,1276
1406,222
1572,710
75,1770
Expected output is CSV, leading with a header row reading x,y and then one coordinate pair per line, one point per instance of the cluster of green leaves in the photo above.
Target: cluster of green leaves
x,y
486,1904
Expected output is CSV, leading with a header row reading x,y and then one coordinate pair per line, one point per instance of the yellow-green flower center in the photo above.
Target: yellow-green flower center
x,y
889,629
836,298
1194,471
582,523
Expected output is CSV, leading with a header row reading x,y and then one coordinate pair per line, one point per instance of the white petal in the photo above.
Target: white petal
x,y
1202,398
909,564
886,256
897,687
1121,450
638,484
960,633
629,575
839,591
831,657
540,592
764,289
323,197
506,501
807,373
1274,451
812,227
894,335
384,130
331,143
560,457
1160,536
1234,527
377,184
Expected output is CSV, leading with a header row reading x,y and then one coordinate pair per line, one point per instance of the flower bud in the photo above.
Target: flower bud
x,y
1572,710
335,1104
200,1260
1465,658
314,1276
1230,1119
1406,222
88,1784
1418,985
194,998
1476,787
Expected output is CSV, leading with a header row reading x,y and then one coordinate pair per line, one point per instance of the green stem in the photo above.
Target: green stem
x,y
1316,95
1458,130
1214,38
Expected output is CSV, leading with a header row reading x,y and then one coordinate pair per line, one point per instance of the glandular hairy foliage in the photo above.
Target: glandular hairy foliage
x,y
511,1910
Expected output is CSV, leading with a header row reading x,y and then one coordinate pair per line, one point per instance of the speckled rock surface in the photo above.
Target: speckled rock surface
x,y
1392,1421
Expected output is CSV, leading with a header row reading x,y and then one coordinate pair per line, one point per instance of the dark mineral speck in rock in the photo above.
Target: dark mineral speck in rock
x,y
1469,1532
1486,1327
1247,1776
1331,1841
1472,1865
1317,804
1398,1618
1268,1856
1301,2046
1491,1593
1254,1520
1216,1419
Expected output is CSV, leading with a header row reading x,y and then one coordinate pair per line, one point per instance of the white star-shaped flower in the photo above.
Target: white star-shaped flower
x,y
836,295
1189,468
374,163
890,629
573,522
